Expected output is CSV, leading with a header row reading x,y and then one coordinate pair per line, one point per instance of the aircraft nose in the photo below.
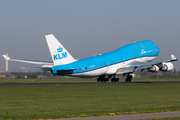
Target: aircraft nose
x,y
157,50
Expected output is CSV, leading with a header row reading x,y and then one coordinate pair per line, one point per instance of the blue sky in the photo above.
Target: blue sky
x,y
86,27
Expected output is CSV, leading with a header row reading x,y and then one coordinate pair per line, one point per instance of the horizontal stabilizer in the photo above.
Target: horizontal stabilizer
x,y
68,69
49,64
36,68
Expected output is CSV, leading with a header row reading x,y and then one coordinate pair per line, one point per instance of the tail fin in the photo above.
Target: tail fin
x,y
58,53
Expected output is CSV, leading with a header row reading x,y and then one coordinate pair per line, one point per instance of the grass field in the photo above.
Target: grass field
x,y
80,80
42,102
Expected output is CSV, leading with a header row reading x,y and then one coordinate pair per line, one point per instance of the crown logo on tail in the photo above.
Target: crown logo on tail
x,y
60,49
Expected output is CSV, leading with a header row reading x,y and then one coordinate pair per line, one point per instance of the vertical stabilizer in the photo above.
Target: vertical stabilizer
x,y
58,53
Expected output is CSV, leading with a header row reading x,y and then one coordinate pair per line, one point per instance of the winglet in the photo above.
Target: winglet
x,y
173,58
6,57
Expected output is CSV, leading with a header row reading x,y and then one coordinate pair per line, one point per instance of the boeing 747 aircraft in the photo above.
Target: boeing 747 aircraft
x,y
124,60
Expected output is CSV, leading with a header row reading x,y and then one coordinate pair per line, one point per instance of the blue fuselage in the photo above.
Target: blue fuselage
x,y
129,52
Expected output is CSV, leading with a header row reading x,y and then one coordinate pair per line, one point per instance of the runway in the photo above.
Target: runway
x,y
131,117
85,83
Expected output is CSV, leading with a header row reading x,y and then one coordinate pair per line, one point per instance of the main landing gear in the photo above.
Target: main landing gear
x,y
129,77
114,79
104,79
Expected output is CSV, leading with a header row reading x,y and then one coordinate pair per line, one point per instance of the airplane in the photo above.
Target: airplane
x,y
124,60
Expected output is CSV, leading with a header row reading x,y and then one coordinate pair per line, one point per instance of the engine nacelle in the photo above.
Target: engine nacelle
x,y
154,68
167,67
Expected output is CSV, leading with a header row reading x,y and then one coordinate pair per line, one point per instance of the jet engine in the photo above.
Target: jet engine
x,y
153,68
167,67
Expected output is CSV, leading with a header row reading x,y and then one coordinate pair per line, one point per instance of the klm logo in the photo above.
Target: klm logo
x,y
60,54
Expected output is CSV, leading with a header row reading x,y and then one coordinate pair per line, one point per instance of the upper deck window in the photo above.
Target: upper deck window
x,y
137,47
146,45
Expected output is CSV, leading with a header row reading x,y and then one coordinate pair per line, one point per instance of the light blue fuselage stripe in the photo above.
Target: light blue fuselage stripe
x,y
129,52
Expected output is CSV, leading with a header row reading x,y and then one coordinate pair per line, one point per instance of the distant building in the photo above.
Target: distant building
x,y
5,74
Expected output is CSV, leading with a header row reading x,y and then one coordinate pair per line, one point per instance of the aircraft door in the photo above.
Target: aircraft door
x,y
152,51
142,46
142,49
82,70
123,59
107,63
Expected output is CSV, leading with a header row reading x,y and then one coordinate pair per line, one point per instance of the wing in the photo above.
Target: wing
x,y
36,68
44,64
151,67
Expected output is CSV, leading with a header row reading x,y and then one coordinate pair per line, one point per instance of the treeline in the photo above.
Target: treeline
x,y
137,74
30,75
170,74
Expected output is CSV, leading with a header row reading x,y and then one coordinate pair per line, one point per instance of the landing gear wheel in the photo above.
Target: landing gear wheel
x,y
102,79
114,79
126,80
129,77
